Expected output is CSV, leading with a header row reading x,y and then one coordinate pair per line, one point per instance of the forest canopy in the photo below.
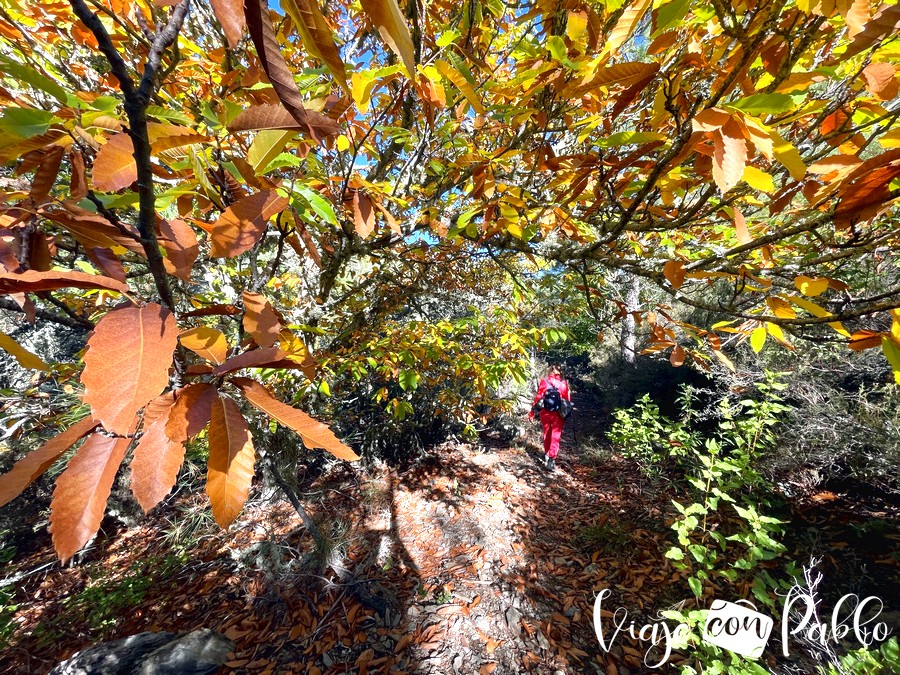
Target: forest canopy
x,y
233,205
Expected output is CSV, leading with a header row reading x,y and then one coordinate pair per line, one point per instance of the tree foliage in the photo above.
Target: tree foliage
x,y
216,188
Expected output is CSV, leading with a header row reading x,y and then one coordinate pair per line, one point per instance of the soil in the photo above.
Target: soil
x,y
487,563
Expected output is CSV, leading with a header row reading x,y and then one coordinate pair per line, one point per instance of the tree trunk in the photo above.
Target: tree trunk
x,y
632,303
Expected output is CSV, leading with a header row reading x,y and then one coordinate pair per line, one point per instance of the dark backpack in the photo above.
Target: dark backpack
x,y
552,399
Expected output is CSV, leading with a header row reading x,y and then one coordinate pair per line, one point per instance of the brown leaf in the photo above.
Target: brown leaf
x,y
45,176
243,223
155,464
91,229
271,116
191,412
676,358
114,166
230,14
269,52
180,244
856,16
740,228
25,471
231,458
108,262
260,320
157,407
32,280
208,343
363,215
127,363
314,433
78,186
82,490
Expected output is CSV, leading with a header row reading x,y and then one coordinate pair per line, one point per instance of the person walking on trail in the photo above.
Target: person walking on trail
x,y
552,391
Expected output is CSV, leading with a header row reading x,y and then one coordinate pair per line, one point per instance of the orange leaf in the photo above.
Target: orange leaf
x,y
363,215
881,79
114,166
730,156
740,228
155,464
191,412
180,244
82,490
243,223
864,339
260,320
856,15
206,342
674,271
34,464
270,357
314,433
127,363
316,36
231,458
676,358
32,280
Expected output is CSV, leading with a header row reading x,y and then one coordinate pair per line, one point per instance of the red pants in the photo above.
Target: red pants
x,y
553,426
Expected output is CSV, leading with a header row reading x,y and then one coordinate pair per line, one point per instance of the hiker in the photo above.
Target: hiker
x,y
551,392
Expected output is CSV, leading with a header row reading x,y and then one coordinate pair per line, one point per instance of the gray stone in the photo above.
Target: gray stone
x,y
201,651
513,617
196,653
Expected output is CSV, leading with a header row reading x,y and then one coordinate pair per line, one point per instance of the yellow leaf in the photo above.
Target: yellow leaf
x,y
207,343
758,179
810,286
775,331
461,83
787,154
724,359
781,308
758,338
25,358
821,312
266,146
316,36
342,143
388,18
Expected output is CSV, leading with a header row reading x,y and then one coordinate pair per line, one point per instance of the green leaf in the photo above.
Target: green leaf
x,y
696,586
165,114
671,13
629,138
23,73
892,353
408,379
317,202
25,122
763,104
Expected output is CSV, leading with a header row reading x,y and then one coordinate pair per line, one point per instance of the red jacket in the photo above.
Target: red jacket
x,y
557,382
